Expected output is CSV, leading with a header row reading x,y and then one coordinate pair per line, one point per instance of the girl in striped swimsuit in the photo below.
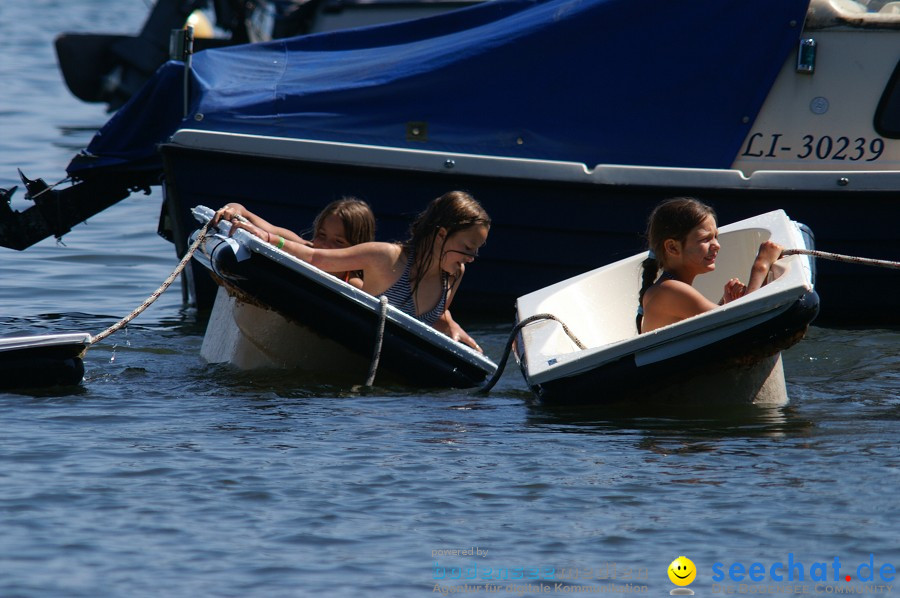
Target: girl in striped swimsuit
x,y
421,275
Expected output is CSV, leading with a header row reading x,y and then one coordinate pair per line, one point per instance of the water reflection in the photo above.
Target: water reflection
x,y
690,421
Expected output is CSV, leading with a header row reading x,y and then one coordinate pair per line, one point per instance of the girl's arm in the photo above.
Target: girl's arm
x,y
768,254
236,210
448,325
378,260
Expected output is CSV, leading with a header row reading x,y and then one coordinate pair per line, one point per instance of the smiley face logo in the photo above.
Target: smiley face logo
x,y
682,571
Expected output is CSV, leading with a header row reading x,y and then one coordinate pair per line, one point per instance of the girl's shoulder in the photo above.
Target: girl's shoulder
x,y
379,248
670,292
675,298
395,251
667,286
381,255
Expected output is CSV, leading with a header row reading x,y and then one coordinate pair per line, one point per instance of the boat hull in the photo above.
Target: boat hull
x,y
743,368
322,307
543,230
42,361
579,343
251,336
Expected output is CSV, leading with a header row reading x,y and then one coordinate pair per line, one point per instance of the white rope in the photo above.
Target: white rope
x,y
155,295
512,336
842,258
379,338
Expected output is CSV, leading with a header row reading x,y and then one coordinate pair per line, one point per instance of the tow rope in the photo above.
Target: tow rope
x,y
201,236
850,259
155,295
512,337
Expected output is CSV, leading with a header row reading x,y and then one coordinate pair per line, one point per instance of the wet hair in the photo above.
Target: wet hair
x,y
674,218
453,211
357,216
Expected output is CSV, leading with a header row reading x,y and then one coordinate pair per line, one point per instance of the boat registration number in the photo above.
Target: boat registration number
x,y
814,147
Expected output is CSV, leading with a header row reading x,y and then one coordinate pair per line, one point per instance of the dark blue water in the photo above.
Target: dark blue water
x,y
163,476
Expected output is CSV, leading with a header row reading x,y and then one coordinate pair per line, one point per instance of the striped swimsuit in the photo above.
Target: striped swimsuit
x,y
400,295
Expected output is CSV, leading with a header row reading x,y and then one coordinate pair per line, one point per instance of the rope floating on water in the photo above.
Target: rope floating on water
x,y
512,337
155,295
850,259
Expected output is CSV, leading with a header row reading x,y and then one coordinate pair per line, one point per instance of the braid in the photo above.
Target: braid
x,y
672,219
649,270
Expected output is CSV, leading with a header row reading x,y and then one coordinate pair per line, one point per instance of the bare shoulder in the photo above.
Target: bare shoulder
x,y
667,289
390,254
676,299
385,263
375,250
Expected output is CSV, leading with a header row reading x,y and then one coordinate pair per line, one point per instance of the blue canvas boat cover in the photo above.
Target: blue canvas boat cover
x,y
644,82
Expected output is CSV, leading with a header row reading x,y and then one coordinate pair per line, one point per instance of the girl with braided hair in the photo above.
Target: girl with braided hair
x,y
684,241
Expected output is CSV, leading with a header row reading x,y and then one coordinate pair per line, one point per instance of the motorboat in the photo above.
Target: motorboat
x,y
111,67
275,311
567,120
40,361
731,354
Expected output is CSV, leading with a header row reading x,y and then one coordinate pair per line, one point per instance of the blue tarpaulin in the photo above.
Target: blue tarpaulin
x,y
652,82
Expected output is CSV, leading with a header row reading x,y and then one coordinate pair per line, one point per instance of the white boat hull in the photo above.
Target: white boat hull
x,y
731,352
252,337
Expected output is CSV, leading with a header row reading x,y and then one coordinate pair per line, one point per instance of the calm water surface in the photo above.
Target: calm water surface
x,y
163,476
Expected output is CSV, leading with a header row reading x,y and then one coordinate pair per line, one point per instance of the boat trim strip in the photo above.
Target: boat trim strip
x,y
361,155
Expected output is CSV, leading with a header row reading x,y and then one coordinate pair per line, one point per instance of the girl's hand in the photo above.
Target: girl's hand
x,y
769,252
253,230
229,212
448,326
464,338
734,289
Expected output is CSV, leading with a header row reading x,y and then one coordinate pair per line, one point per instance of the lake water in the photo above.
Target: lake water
x,y
163,476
